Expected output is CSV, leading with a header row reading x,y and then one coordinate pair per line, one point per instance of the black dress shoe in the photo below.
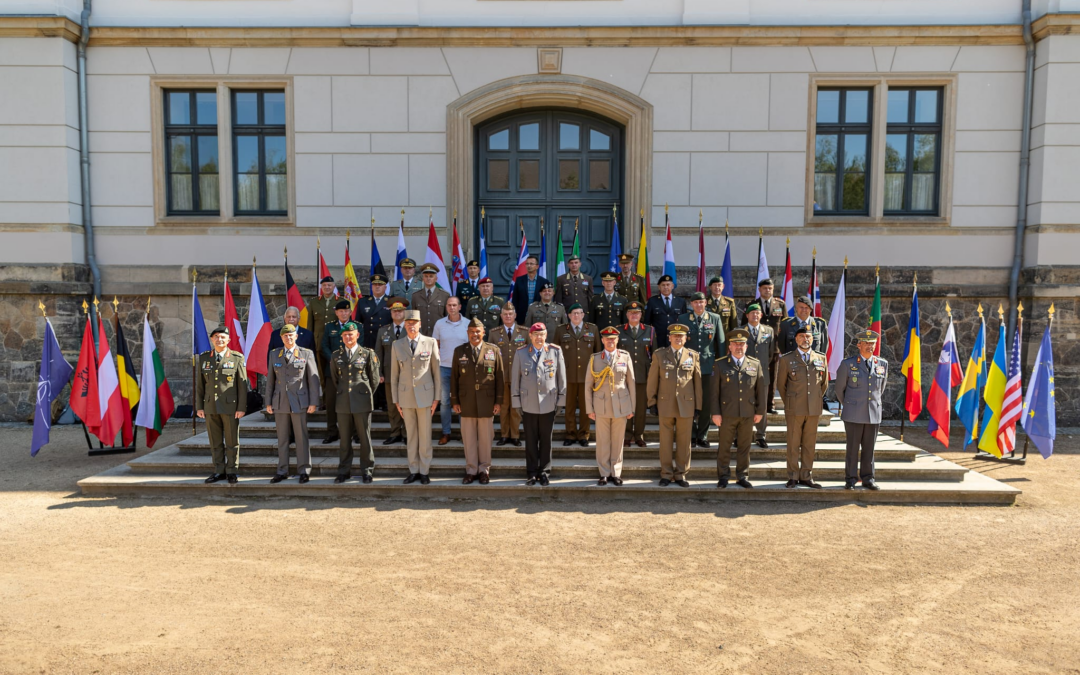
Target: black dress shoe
x,y
231,477
615,480
342,479
366,479
332,438
278,478
771,410
762,444
469,478
640,442
743,483
531,481
411,478
871,484
516,442
810,484
704,444
502,442
390,441
544,479
721,484
568,442
399,439
484,478
682,483
849,485
215,477
304,478
583,442
792,483
356,439
424,480
664,482
602,481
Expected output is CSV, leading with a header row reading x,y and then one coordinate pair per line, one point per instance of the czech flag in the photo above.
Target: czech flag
x,y
258,329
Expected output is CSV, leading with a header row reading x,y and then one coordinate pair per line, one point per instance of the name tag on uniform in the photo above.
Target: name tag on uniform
x,y
688,364
725,311
620,366
751,370
777,312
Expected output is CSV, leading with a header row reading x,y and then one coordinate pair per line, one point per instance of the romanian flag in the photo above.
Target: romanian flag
x,y
352,286
967,399
875,317
292,294
994,396
129,386
643,258
912,366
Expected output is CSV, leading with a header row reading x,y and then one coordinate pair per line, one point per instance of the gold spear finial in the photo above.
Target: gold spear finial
x,y
96,306
347,235
761,232
1001,312
429,213
789,241
915,279
700,215
725,227
1051,311
576,223
115,305
1019,311
85,307
814,253
194,275
455,213
980,311
482,212
41,306
642,214
148,304
253,265
665,209
877,270
560,221
318,241
948,310
373,222
845,262
615,209
403,213
226,272
286,253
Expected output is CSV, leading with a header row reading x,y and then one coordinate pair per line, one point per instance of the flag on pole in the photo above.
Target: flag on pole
x,y
543,252
52,377
324,271
199,341
483,247
875,315
292,293
834,353
940,398
669,250
401,252
1040,408
352,284
129,386
576,251
815,288
725,270
376,266
1014,397
84,388
458,264
763,263
967,398
112,418
434,255
560,263
787,292
616,245
520,270
232,320
257,347
912,364
157,403
700,286
643,257
994,395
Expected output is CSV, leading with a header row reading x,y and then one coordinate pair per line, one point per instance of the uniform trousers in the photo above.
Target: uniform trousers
x,y
397,424
324,371
635,428
675,431
801,442
703,418
360,424
294,425
418,438
741,431
576,428
609,445
761,427
774,368
330,396
446,412
509,416
859,464
223,432
538,428
476,436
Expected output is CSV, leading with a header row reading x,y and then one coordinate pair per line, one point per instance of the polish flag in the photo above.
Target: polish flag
x,y
258,330
232,321
112,417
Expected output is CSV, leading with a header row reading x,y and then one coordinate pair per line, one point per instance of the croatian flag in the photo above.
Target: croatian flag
x,y
939,402
669,253
258,329
483,251
787,292
401,252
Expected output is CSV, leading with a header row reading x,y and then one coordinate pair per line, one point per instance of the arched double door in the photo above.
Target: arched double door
x,y
548,165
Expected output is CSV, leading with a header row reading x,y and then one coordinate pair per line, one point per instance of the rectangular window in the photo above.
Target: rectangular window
x,y
912,151
842,152
259,152
191,146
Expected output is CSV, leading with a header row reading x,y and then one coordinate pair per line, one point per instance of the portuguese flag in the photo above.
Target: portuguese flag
x,y
875,317
156,405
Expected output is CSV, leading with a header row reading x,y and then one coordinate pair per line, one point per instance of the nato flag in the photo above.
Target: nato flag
x,y
55,373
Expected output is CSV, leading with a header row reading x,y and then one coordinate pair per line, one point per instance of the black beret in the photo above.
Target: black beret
x,y
342,304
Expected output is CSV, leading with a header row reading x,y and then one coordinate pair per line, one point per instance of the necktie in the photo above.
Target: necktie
x,y
667,301
806,358
608,298
509,333
753,332
218,357
412,346
407,288
429,294
397,332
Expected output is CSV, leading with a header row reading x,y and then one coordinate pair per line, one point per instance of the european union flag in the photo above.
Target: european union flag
x,y
1040,409
55,373
616,246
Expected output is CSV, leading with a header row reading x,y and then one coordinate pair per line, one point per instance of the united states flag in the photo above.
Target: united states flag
x,y
1014,399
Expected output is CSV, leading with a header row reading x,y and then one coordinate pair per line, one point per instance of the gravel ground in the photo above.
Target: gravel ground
x,y
293,585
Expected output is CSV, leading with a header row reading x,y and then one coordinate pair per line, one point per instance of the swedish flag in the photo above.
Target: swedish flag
x,y
967,399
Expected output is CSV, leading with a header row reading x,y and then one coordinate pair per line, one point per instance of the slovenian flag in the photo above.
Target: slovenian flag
x,y
401,252
258,329
940,398
669,252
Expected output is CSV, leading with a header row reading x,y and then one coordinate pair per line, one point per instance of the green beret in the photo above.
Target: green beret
x,y
350,326
573,307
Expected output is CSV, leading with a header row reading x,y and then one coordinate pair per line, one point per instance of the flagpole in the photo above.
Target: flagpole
x,y
1027,438
914,285
194,372
86,313
116,316
1020,331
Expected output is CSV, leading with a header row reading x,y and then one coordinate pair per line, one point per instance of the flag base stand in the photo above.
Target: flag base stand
x,y
1011,458
111,451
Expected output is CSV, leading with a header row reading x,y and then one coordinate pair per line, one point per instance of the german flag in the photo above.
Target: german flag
x,y
129,386
292,295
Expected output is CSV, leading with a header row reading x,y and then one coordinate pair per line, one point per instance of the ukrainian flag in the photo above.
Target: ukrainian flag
x,y
994,395
967,400
912,368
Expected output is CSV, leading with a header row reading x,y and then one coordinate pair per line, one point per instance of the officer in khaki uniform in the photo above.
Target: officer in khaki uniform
x,y
384,342
221,391
639,341
675,389
608,308
610,400
320,311
416,380
739,403
476,393
860,381
721,305
292,388
628,284
547,311
331,342
706,337
786,337
802,380
485,306
403,288
773,311
575,286
430,300
509,337
762,346
579,340
355,371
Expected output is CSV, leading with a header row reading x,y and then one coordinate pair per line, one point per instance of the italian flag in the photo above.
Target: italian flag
x,y
156,405
875,317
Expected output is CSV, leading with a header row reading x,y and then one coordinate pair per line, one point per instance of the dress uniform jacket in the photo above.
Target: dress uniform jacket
x,y
859,386
773,312
304,338
476,383
489,311
706,337
763,348
538,386
785,337
675,385
739,394
552,315
373,314
355,376
571,288
431,309
292,384
398,289
221,390
416,380
724,307
577,349
331,341
509,416
639,343
632,288
467,289
660,316
801,387
611,398
604,312
519,296
384,343
320,312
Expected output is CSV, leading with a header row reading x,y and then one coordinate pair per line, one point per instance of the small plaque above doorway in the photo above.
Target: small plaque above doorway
x,y
549,60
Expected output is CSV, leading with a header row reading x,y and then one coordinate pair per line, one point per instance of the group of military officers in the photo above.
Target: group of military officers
x,y
692,364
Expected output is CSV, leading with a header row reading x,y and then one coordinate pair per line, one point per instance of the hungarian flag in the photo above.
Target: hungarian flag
x,y
292,294
434,255
232,321
84,388
352,286
157,405
875,317
112,417
257,349
458,261
946,377
129,386
643,259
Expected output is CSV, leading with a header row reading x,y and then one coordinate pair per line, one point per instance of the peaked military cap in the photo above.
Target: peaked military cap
x,y
608,275
698,295
476,323
547,286
509,305
412,315
738,335
407,262
287,329
342,304
220,329
634,306
399,304
378,278
327,280
677,329
429,268
804,330
868,336
473,263
666,277
350,326
610,331
626,257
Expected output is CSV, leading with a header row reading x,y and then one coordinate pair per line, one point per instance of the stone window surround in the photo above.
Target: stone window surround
x,y
880,85
223,85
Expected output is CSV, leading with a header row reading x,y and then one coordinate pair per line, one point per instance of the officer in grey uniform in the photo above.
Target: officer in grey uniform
x,y
738,402
221,390
292,387
355,370
860,381
537,389
485,306
403,288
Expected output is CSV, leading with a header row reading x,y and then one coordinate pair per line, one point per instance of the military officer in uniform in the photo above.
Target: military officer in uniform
x,y
706,337
860,381
639,341
373,311
486,306
403,288
610,400
429,300
630,285
476,392
802,380
469,287
537,389
417,385
663,310
320,311
331,342
721,305
762,346
292,387
575,286
773,312
221,396
819,331
739,403
608,308
509,338
675,389
355,371
546,310
578,340
384,342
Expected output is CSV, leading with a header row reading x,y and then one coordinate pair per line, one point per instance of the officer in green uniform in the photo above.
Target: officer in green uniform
x,y
738,403
639,341
607,309
706,337
721,305
355,371
486,306
629,285
221,390
546,310
320,311
331,342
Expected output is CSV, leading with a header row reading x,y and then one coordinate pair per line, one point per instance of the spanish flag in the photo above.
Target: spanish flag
x,y
129,386
352,286
994,396
912,367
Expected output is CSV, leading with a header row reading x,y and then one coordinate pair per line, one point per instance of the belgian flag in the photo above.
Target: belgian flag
x,y
129,386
